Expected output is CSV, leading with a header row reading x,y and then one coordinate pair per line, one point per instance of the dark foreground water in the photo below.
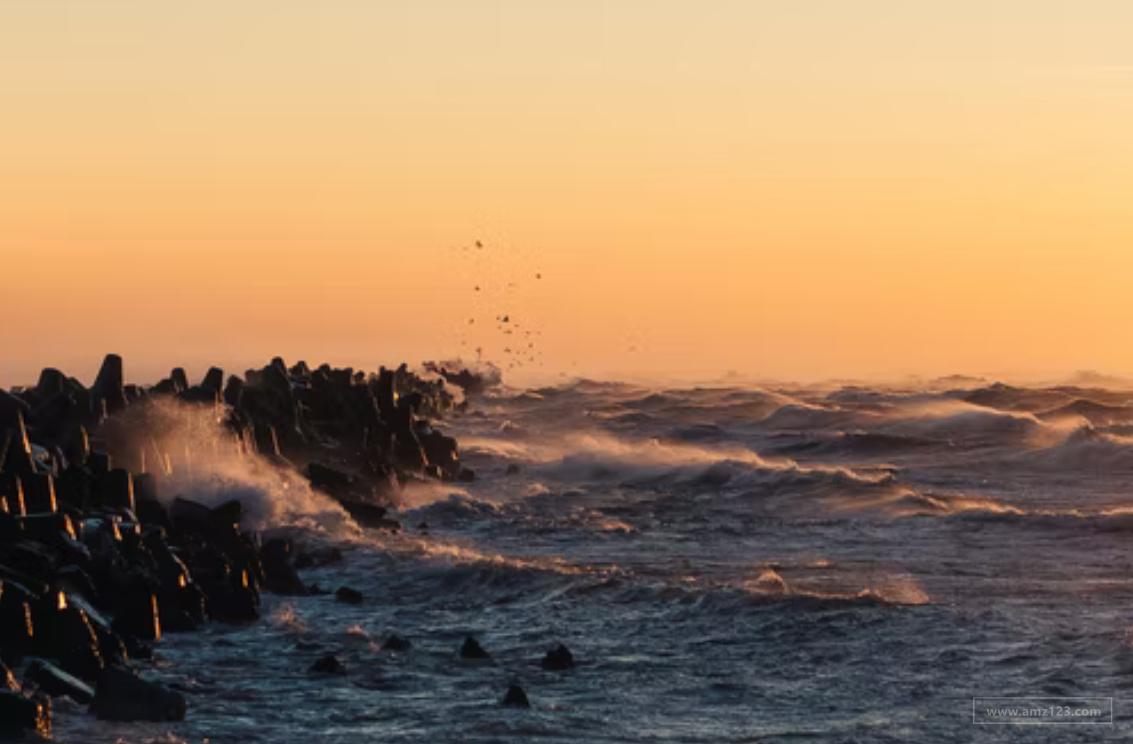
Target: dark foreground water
x,y
727,565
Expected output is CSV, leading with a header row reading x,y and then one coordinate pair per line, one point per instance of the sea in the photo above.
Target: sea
x,y
727,563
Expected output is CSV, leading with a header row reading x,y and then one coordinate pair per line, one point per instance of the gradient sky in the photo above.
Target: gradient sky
x,y
799,188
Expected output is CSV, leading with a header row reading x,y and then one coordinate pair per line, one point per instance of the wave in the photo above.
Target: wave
x,y
801,416
1009,398
969,424
1087,449
855,444
1092,412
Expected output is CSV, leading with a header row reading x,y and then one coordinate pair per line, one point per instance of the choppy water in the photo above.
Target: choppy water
x,y
727,565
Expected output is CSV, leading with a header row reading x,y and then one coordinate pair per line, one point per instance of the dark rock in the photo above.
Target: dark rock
x,y
512,469
76,445
473,650
65,634
12,408
51,382
192,518
115,489
348,595
396,643
441,451
21,715
12,491
39,493
57,683
516,698
233,392
16,458
123,696
201,394
267,441
99,462
214,380
109,387
558,659
331,481
279,575
17,632
229,513
179,379
329,664
140,617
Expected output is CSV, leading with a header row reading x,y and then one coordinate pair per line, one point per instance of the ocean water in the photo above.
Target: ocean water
x,y
821,564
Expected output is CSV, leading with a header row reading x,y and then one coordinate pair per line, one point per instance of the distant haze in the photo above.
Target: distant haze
x,y
803,189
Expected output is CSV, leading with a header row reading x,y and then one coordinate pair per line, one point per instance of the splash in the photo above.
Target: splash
x,y
200,459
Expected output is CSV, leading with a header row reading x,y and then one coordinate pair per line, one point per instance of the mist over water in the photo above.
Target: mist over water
x,y
727,564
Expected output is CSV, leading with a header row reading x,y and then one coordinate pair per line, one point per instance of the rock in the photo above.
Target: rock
x,y
57,683
214,380
328,664
279,575
48,528
473,650
348,595
12,408
39,493
100,462
331,481
441,451
17,633
16,456
229,513
267,441
123,696
21,715
516,698
179,379
140,617
11,490
558,659
512,469
396,643
109,386
233,392
115,489
370,515
65,634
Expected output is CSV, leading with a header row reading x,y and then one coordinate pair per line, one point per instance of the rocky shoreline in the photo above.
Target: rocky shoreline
x,y
99,553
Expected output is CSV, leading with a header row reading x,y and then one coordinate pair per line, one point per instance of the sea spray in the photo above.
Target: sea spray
x,y
204,461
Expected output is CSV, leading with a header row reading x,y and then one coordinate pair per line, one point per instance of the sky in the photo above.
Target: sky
x,y
660,188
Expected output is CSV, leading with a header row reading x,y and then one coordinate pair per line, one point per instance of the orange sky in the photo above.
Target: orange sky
x,y
791,189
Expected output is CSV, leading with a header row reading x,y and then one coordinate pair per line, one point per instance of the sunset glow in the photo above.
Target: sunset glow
x,y
805,189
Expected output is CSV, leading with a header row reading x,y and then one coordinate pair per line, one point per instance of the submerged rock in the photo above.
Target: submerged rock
x,y
558,659
348,595
396,643
329,664
473,650
516,698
